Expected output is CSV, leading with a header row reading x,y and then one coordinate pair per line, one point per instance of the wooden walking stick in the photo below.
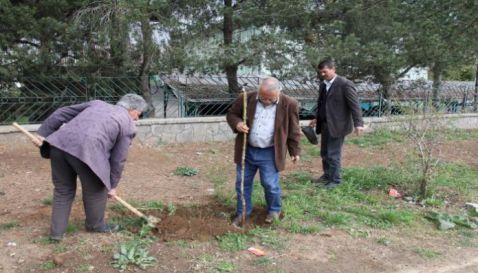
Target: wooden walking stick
x,y
243,165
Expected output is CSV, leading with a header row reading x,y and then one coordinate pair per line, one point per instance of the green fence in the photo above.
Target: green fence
x,y
31,100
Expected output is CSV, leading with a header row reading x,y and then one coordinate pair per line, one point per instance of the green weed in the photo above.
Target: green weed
x,y
132,253
427,253
233,241
10,225
48,265
186,171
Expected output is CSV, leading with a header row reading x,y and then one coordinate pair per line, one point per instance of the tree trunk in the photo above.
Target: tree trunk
x,y
475,102
387,103
437,81
144,70
229,66
117,39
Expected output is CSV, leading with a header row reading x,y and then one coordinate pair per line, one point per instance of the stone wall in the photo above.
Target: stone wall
x,y
210,129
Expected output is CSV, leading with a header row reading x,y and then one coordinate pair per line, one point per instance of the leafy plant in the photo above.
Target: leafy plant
x,y
48,265
185,171
224,266
132,253
171,209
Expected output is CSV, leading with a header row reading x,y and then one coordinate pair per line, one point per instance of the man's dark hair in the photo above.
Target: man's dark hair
x,y
327,63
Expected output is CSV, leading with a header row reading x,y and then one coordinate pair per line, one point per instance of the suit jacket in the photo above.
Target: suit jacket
x,y
97,133
286,131
343,110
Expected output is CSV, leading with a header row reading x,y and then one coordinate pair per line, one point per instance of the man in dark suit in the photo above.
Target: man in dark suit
x,y
273,129
88,140
338,114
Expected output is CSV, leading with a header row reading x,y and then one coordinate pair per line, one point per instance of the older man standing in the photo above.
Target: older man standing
x,y
89,140
273,119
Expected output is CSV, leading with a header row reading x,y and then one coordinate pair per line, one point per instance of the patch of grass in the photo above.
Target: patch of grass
x,y
48,265
358,233
125,222
44,240
222,192
258,194
461,134
186,171
309,150
457,177
9,225
180,243
377,137
263,261
336,219
60,248
233,241
152,205
384,241
72,228
47,201
378,177
296,227
224,267
269,238
434,202
427,253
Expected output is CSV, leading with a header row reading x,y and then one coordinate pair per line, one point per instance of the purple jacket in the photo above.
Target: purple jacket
x,y
96,132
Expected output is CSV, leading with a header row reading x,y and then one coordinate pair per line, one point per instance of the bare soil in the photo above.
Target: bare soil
x,y
198,219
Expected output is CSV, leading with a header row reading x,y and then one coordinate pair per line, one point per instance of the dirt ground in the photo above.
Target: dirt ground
x,y
149,176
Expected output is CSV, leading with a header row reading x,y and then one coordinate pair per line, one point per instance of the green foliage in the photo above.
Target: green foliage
x,y
224,267
185,171
132,253
7,226
47,201
232,241
446,221
377,137
269,238
48,265
72,228
171,209
460,134
460,73
427,253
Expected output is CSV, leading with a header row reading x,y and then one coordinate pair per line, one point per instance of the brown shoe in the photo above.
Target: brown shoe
x,y
271,217
237,221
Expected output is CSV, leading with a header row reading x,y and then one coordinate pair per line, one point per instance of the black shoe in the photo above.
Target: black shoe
x,y
321,180
55,238
331,185
107,228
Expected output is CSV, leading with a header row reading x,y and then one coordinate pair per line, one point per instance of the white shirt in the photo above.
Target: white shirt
x,y
328,84
262,131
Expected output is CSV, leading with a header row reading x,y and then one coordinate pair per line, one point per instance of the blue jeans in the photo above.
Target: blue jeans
x,y
262,159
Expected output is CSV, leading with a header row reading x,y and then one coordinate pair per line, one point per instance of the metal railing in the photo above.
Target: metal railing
x,y
31,100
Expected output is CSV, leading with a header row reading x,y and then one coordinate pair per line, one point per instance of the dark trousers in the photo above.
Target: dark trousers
x,y
331,153
65,168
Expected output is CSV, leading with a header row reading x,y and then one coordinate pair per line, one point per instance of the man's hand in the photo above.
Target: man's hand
x,y
313,123
295,158
38,141
112,193
242,128
358,130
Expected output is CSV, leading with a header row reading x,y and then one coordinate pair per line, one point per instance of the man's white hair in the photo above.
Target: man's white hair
x,y
270,84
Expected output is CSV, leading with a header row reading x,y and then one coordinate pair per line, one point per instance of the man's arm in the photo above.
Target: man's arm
x,y
234,115
61,116
294,133
352,100
119,153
